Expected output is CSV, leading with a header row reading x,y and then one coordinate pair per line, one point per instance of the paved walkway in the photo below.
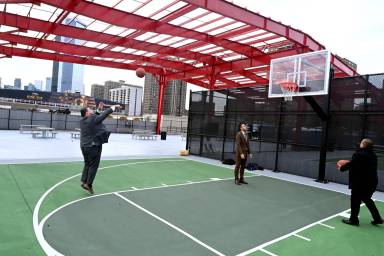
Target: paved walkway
x,y
19,148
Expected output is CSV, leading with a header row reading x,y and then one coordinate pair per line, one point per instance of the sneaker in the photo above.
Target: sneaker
x,y
87,187
349,222
244,182
83,186
376,222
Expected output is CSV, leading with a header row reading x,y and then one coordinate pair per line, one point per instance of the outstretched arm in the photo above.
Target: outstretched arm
x,y
100,118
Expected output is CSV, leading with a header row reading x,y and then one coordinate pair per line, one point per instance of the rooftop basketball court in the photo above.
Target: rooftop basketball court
x,y
173,206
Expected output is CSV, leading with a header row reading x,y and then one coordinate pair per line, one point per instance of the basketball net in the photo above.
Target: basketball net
x,y
288,89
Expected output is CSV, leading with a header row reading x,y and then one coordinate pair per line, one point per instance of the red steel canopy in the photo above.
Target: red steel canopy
x,y
210,43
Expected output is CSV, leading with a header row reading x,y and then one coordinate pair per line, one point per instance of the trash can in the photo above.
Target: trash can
x,y
163,135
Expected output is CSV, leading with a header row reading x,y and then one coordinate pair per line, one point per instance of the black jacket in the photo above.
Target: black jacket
x,y
92,130
362,170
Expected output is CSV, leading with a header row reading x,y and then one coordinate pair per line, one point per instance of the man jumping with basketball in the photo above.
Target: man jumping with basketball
x,y
92,135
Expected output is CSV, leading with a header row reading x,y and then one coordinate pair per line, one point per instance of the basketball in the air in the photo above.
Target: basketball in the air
x,y
140,72
340,163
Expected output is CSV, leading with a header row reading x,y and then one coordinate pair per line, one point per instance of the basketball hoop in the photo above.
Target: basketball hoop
x,y
288,89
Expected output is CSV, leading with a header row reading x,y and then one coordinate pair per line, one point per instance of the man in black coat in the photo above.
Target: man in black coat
x,y
92,135
362,182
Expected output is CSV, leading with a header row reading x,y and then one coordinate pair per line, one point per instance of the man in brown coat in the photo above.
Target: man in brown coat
x,y
242,152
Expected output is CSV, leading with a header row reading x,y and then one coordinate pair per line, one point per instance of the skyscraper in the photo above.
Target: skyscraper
x,y
38,85
130,96
48,84
17,83
108,85
97,91
68,77
174,97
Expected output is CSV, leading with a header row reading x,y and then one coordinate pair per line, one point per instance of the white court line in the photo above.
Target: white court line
x,y
38,227
345,215
260,247
302,237
215,179
124,191
325,225
171,225
268,252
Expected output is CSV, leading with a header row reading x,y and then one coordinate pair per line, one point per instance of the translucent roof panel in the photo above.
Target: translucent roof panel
x,y
152,7
20,9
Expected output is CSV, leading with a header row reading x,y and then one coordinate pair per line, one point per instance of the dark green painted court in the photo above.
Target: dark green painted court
x,y
176,207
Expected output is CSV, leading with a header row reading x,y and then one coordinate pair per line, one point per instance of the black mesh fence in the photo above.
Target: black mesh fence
x,y
288,136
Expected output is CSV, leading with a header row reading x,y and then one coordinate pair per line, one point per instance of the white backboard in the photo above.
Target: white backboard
x,y
308,73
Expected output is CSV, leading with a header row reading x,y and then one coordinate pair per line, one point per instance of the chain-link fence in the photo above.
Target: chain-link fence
x,y
289,136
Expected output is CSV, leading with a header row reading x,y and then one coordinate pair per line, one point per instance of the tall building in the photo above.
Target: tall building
x,y
38,85
48,84
108,85
174,97
17,83
97,91
130,96
30,87
68,77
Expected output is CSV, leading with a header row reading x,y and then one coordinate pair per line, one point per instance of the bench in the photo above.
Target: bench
x,y
75,135
144,135
183,136
54,134
28,128
37,134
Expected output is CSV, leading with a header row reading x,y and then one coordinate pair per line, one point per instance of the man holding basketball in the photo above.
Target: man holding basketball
x,y
92,135
362,181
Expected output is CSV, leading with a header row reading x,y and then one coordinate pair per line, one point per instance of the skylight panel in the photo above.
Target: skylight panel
x,y
114,30
152,7
128,5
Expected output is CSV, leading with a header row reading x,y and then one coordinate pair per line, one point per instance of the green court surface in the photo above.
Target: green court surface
x,y
173,207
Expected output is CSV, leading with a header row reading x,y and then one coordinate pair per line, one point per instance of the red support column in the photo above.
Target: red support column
x,y
162,83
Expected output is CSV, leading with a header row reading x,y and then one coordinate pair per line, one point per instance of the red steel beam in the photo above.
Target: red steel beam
x,y
88,51
129,20
10,51
162,84
234,65
68,31
178,13
88,35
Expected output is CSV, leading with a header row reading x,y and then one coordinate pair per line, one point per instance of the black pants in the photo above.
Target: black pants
x,y
356,197
91,163
239,168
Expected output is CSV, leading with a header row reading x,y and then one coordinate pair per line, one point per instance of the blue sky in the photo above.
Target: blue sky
x,y
352,29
